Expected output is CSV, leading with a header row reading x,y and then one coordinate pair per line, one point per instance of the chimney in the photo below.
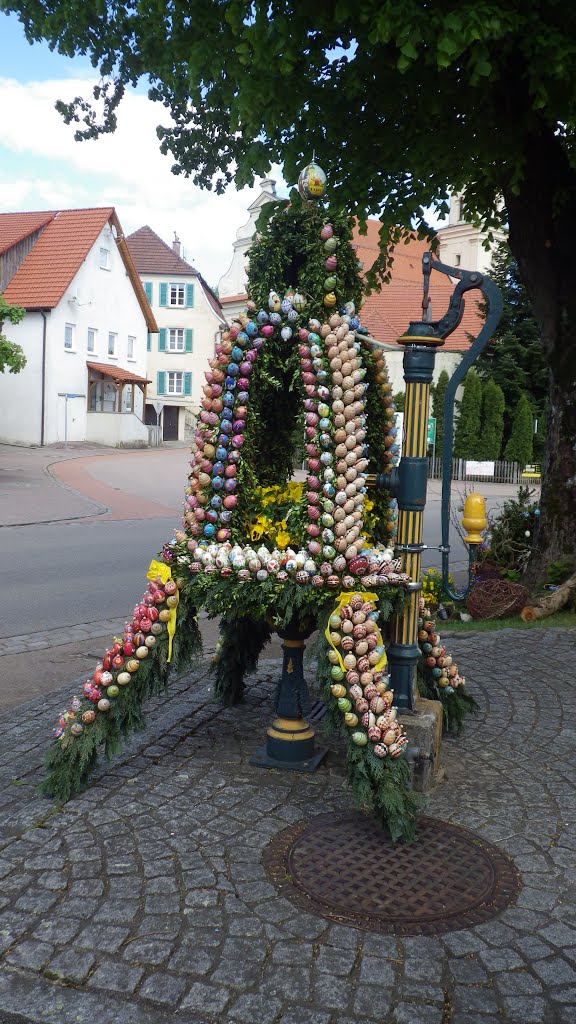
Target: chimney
x,y
176,244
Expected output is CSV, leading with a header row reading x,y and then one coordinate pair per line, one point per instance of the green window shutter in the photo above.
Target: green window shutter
x,y
161,377
148,290
163,294
162,339
148,342
188,340
189,295
187,383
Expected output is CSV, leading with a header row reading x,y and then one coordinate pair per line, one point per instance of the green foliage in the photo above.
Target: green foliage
x,y
510,533
399,399
519,447
490,441
467,432
438,396
70,761
515,358
558,572
12,356
289,253
240,644
455,706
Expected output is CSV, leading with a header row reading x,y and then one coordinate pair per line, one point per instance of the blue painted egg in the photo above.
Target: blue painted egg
x,y
242,339
275,318
313,338
218,469
285,305
292,316
228,400
227,414
232,369
230,383
209,530
328,490
325,440
216,501
236,354
217,483
324,424
251,329
221,453
212,515
263,317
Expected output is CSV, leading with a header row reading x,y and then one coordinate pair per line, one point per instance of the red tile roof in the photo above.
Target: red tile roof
x,y
57,255
16,226
387,313
117,373
56,258
152,255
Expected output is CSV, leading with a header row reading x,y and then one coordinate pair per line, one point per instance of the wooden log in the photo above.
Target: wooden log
x,y
551,603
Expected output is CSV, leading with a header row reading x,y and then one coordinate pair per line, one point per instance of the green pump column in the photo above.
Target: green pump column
x,y
410,489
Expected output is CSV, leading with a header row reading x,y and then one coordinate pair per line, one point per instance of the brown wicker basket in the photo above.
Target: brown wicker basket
x,y
493,599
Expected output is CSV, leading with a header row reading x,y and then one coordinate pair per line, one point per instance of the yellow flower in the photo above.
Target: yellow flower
x,y
368,504
282,539
261,525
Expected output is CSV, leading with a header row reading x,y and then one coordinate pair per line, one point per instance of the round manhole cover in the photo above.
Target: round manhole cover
x,y
347,870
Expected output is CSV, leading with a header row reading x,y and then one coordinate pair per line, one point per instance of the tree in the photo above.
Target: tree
x,y
438,396
402,101
12,356
467,432
519,447
492,430
515,358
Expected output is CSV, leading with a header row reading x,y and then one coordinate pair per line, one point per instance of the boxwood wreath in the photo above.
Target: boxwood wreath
x,y
292,376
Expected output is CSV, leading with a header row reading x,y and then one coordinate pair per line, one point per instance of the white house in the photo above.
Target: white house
x,y
232,284
190,322
463,245
84,334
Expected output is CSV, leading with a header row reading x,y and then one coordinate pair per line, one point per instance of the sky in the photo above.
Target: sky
x,y
43,168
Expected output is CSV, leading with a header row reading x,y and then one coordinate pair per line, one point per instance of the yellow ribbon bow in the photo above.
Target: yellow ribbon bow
x,y
343,599
159,570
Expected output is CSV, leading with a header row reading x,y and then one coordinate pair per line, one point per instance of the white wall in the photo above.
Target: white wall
x,y
96,298
117,431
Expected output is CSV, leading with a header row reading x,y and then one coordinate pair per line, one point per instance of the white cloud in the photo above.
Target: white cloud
x,y
125,170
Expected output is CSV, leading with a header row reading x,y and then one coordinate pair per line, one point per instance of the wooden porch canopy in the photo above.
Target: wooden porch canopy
x,y
120,377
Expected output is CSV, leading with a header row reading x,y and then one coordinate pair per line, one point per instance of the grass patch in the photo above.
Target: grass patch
x,y
561,620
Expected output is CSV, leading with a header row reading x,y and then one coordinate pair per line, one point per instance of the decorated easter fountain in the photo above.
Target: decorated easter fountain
x,y
295,380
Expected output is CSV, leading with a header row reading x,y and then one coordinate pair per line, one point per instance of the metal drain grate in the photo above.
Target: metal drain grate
x,y
347,870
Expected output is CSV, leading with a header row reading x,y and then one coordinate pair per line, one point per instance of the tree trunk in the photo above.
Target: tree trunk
x,y
542,217
553,603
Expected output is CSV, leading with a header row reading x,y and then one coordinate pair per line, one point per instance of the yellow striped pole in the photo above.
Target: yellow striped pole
x,y
419,358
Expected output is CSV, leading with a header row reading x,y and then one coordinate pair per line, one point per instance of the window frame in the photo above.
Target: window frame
x,y
174,374
176,331
72,346
179,289
91,331
112,354
131,347
104,260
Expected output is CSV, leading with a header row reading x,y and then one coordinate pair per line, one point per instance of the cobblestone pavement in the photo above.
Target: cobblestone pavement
x,y
144,901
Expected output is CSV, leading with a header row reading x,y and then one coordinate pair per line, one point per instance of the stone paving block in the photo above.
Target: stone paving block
x,y
58,930
518,983
524,1009
371,1001
116,977
334,960
467,972
249,1008
303,1015
31,954
192,960
70,965
149,951
374,971
500,959
559,935
331,992
479,999
101,936
238,950
286,983
407,1013
163,988
204,998
555,971
237,975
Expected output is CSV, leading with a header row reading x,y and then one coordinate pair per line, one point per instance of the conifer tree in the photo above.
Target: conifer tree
x,y
467,432
492,428
520,445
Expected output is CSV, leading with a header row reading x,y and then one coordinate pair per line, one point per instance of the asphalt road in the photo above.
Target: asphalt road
x,y
63,574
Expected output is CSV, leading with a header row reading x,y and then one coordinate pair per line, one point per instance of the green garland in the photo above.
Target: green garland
x,y
438,677
289,254
70,760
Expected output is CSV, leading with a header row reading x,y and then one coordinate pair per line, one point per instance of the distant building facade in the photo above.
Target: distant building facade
x,y
84,333
189,321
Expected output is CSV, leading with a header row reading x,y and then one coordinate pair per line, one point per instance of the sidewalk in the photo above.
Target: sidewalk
x,y
145,900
